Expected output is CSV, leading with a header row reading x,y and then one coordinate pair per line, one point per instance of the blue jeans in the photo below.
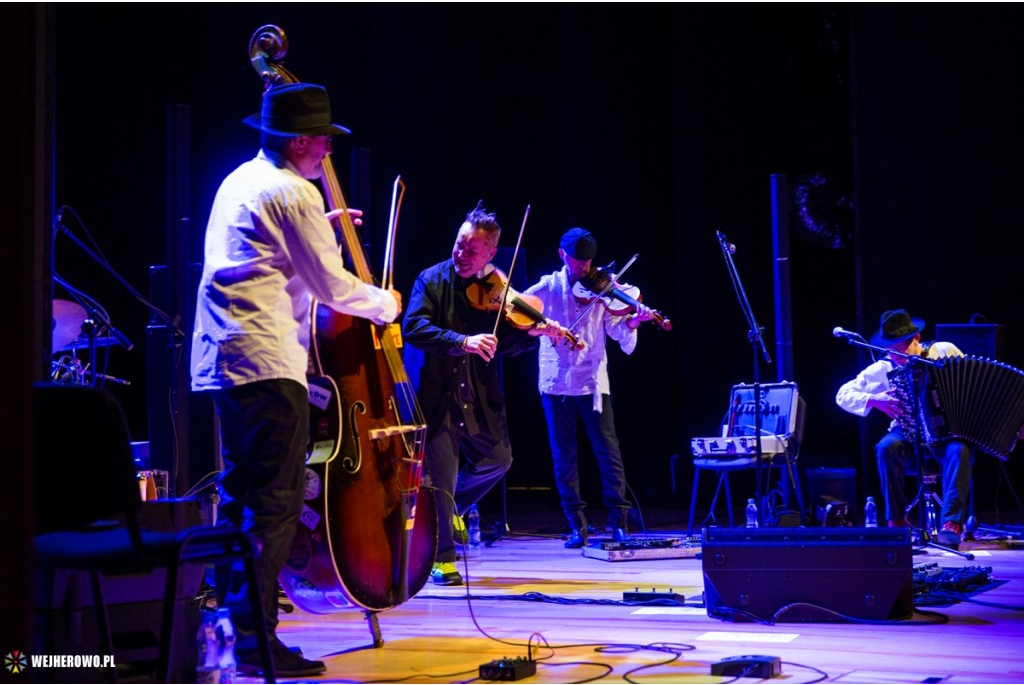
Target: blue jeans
x,y
485,459
264,428
954,457
561,412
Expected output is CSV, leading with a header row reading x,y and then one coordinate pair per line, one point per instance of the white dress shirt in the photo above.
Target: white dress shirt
x,y
565,370
270,252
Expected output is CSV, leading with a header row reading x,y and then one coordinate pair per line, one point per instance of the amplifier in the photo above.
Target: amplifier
x,y
742,446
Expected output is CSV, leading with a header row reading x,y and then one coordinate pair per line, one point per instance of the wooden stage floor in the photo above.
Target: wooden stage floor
x,y
527,595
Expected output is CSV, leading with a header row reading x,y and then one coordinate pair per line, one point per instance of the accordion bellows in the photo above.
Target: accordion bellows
x,y
975,399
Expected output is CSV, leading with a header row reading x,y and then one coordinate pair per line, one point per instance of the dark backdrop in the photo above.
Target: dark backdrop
x,y
651,125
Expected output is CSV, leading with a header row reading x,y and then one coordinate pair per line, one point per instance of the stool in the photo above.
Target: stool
x,y
929,496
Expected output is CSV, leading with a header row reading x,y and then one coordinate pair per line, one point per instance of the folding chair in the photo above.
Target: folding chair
x,y
83,447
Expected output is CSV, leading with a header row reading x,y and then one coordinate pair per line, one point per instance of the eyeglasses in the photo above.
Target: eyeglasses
x,y
326,139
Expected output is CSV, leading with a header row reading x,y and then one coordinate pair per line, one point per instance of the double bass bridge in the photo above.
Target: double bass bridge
x,y
391,431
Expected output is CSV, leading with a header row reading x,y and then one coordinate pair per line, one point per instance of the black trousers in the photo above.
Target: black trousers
x,y
264,429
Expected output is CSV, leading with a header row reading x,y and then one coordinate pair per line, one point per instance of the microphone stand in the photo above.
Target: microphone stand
x,y
96,323
756,338
95,312
915,365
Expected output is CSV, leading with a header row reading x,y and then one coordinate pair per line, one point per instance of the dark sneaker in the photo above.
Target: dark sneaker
x,y
445,573
618,524
459,532
949,534
287,664
577,539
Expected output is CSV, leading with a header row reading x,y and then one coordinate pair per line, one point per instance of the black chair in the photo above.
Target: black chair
x,y
723,467
87,520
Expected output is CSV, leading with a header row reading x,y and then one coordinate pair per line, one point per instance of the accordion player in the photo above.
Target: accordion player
x,y
885,385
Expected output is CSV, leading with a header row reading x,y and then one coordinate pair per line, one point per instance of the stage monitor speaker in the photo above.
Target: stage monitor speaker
x,y
978,339
808,574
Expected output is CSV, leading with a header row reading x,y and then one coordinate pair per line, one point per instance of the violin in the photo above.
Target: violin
x,y
521,310
619,298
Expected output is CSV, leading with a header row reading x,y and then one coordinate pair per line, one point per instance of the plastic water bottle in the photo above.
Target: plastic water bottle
x,y
473,525
225,632
931,517
870,513
751,513
208,661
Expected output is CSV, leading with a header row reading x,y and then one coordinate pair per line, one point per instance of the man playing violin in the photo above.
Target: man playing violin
x,y
573,382
269,251
453,360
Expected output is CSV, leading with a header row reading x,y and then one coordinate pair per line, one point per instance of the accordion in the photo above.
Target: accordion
x,y
968,398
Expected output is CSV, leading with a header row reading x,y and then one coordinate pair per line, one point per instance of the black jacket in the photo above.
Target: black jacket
x,y
452,384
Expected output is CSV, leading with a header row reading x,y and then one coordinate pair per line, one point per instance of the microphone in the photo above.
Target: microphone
x,y
726,245
840,332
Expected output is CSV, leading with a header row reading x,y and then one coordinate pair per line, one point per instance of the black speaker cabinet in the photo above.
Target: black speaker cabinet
x,y
979,339
808,574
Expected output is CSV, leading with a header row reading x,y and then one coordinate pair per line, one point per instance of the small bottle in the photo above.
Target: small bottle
x,y
751,514
225,632
870,513
931,518
473,525
207,662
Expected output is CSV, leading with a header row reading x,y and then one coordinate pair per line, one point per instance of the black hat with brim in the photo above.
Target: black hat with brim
x,y
897,325
296,109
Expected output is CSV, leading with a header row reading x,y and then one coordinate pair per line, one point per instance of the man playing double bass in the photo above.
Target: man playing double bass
x,y
270,251
451,360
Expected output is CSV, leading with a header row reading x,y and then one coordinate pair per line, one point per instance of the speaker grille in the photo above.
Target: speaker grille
x,y
808,574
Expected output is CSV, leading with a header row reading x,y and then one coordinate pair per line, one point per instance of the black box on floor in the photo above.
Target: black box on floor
x,y
808,574
837,484
754,666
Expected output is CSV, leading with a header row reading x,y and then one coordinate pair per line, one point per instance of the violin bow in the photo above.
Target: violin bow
x,y
511,268
396,207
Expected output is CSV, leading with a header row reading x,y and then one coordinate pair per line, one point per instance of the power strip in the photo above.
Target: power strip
x,y
748,666
653,596
508,669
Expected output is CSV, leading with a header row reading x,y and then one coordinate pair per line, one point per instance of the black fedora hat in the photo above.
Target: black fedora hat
x,y
296,109
896,326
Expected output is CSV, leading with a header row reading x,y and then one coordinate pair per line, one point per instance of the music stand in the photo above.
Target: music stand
x,y
914,365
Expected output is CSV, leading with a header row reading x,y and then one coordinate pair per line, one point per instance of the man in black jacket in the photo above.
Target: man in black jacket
x,y
458,378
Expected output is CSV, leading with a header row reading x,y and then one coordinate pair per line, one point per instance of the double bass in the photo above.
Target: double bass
x,y
367,533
